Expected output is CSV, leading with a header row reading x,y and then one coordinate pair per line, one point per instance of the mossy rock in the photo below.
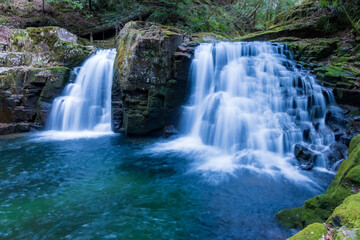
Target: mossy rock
x,y
348,212
314,231
319,208
48,46
208,37
143,71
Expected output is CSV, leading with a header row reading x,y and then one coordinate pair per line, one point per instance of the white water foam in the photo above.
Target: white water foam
x,y
84,108
249,105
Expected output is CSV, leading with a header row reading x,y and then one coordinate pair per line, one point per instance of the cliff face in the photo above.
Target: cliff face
x,y
34,67
151,72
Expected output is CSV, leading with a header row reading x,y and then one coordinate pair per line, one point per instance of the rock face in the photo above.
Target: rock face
x,y
150,78
34,67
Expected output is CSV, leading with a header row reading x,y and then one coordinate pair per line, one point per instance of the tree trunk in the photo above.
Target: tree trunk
x,y
43,7
90,8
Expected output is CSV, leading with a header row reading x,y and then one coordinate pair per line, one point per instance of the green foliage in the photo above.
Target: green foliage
x,y
2,21
68,4
323,3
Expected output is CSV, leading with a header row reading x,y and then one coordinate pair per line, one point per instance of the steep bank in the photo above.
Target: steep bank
x,y
151,73
35,64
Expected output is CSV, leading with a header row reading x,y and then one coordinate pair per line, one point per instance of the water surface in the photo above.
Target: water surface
x,y
112,187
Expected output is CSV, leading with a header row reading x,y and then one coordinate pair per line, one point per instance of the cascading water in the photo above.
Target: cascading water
x,y
85,104
252,101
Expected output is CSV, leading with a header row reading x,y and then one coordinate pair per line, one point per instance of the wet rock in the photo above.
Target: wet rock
x,y
169,131
305,156
32,73
335,152
6,128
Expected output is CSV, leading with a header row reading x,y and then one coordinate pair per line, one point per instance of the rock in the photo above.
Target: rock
x,y
344,222
336,152
32,73
4,35
314,231
305,156
48,46
22,127
319,208
348,213
150,77
6,128
169,131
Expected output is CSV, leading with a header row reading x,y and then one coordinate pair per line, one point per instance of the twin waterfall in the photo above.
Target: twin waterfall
x,y
86,103
251,101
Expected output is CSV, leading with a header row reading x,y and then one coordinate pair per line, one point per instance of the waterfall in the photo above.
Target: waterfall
x,y
253,102
85,104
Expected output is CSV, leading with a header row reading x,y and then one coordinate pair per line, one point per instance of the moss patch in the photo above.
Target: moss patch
x,y
314,231
348,212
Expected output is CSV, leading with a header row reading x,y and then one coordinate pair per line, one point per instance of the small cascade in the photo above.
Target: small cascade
x,y
253,102
85,104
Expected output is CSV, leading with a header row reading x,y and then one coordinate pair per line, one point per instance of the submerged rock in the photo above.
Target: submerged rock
x,y
150,79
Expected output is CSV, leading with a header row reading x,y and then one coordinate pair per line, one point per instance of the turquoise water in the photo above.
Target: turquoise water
x,y
113,187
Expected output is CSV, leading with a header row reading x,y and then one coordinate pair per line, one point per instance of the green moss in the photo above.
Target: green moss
x,y
2,21
314,231
208,37
348,212
319,208
45,34
354,175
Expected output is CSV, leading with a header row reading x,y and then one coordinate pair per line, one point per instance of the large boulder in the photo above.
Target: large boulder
x,y
151,72
35,64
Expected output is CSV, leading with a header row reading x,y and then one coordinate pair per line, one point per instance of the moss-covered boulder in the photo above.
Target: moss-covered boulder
x,y
314,231
48,46
348,213
344,222
319,208
34,67
150,77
